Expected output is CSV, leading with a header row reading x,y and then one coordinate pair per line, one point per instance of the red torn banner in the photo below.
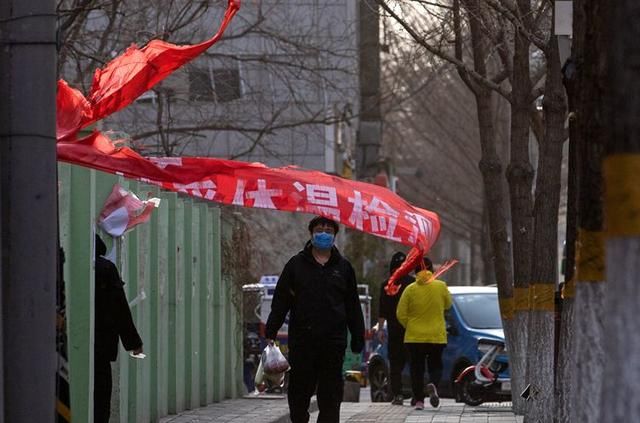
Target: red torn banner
x,y
365,207
362,206
126,78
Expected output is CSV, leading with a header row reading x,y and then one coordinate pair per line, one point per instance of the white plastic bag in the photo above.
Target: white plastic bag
x,y
259,379
275,363
275,380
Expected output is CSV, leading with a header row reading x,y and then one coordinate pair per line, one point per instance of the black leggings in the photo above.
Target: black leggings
x,y
433,355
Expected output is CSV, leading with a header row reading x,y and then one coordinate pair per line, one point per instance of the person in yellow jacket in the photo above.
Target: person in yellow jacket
x,y
421,311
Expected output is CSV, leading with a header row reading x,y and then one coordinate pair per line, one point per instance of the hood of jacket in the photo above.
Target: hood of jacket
x,y
423,277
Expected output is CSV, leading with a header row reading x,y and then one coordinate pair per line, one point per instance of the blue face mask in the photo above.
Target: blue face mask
x,y
322,240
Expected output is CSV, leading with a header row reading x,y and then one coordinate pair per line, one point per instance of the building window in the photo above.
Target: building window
x,y
220,85
227,84
200,86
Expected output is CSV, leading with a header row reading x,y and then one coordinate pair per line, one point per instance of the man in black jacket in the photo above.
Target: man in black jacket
x,y
112,321
395,332
318,288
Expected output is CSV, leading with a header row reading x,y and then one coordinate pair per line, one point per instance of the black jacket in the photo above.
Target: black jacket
x,y
388,306
113,317
322,301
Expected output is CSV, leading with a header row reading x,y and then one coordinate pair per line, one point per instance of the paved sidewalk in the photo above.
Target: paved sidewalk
x,y
250,409
448,412
276,411
255,410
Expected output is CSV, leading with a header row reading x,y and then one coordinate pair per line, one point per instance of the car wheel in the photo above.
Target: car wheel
x,y
379,383
470,395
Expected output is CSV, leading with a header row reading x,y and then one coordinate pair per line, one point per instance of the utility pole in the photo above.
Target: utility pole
x,y
27,210
370,121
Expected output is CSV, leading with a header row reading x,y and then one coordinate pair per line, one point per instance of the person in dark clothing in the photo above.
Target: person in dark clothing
x,y
398,355
318,289
113,321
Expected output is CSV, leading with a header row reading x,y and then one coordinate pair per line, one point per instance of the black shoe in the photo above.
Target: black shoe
x,y
434,399
398,400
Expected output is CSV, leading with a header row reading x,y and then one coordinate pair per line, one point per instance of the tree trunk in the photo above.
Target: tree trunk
x,y
520,172
622,206
565,366
520,178
518,360
589,351
590,252
492,178
621,393
541,340
491,169
486,250
566,362
540,368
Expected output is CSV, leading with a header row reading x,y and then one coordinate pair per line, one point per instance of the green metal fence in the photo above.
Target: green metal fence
x,y
190,326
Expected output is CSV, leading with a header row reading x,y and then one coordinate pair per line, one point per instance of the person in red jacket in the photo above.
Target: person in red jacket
x,y
113,322
318,289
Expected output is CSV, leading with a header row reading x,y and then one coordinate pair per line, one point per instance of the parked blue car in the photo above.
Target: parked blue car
x,y
475,314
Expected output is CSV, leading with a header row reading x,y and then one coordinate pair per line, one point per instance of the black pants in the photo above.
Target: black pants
x,y
315,368
433,354
398,357
101,390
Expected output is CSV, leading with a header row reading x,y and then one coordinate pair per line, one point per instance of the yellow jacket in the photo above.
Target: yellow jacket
x,y
421,310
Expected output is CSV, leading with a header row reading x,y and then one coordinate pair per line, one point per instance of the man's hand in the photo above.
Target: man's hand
x,y
138,350
357,345
270,341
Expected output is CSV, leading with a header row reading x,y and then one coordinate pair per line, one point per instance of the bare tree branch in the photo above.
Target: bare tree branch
x,y
444,56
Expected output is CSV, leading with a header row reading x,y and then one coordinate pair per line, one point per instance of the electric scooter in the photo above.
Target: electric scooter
x,y
481,382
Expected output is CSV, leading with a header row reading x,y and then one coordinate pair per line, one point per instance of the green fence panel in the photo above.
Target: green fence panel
x,y
212,266
77,217
162,315
203,298
185,313
188,284
194,308
218,319
176,307
141,309
227,327
152,347
175,212
129,368
228,333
